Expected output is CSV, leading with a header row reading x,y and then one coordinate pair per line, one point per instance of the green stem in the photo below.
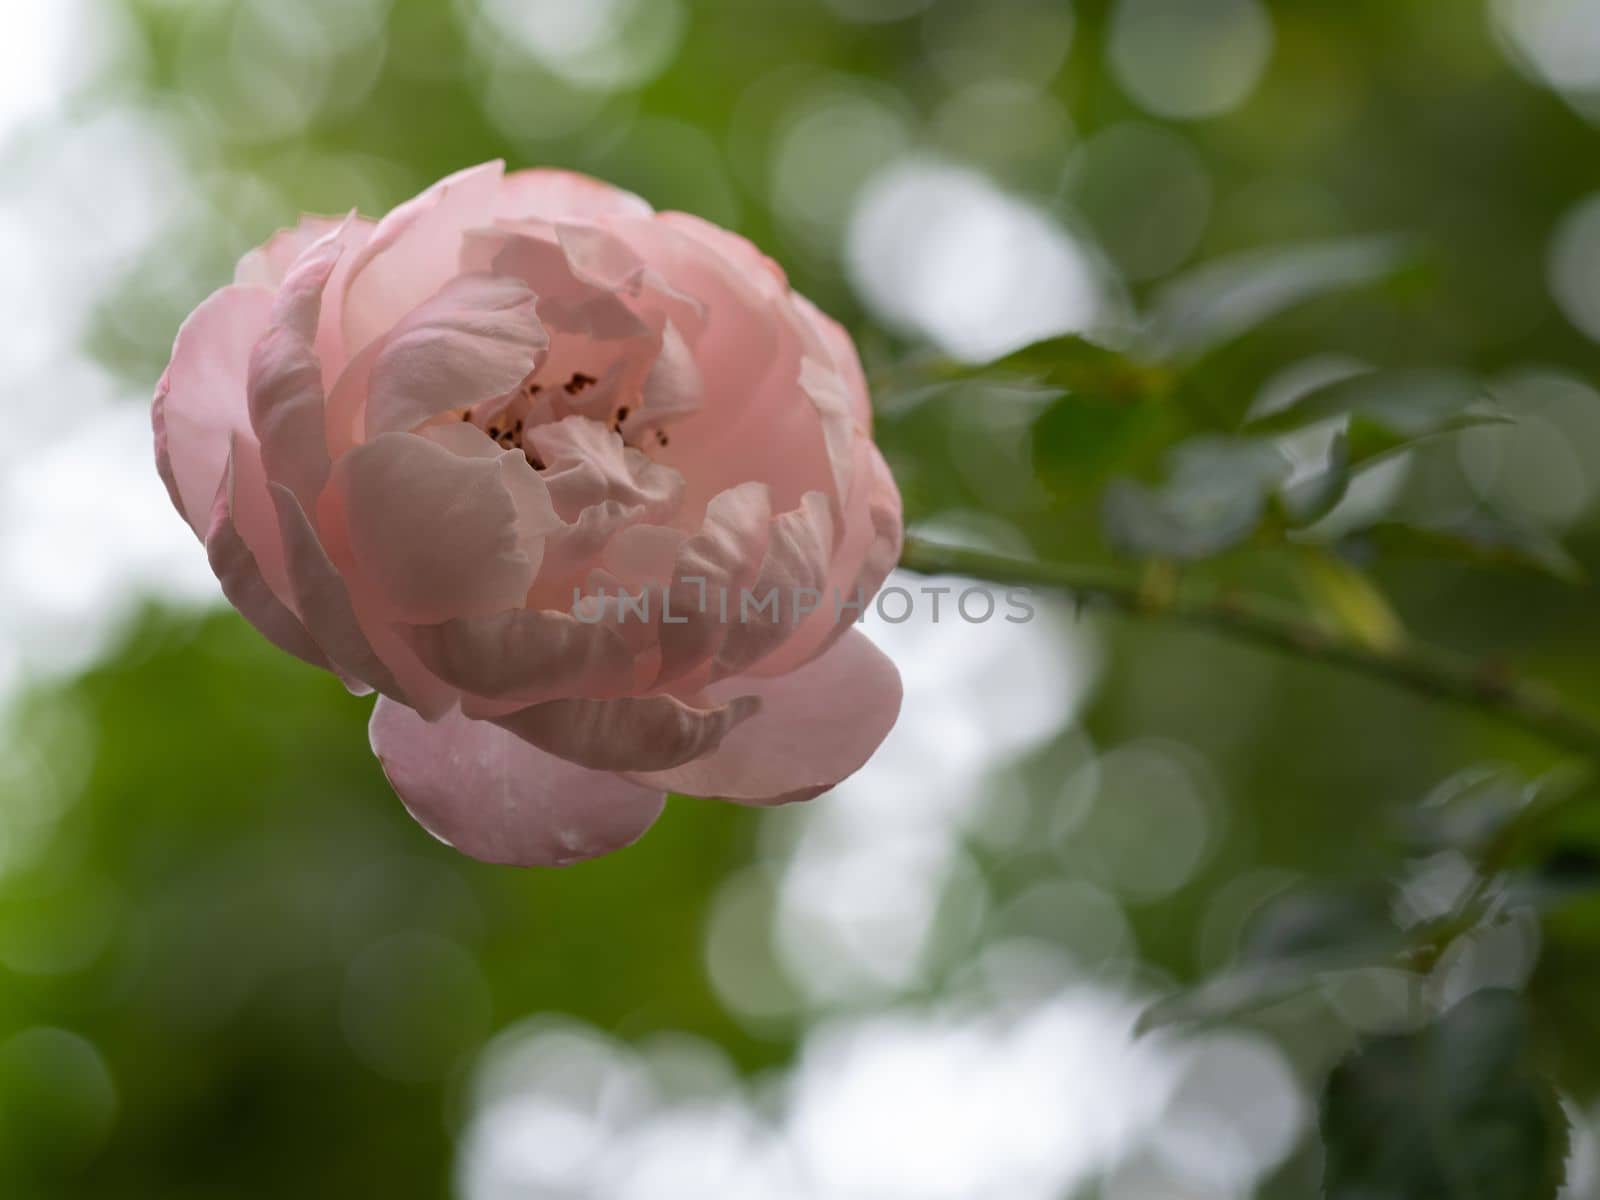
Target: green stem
x,y
1424,670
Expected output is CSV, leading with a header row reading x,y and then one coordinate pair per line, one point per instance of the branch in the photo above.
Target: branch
x,y
1424,670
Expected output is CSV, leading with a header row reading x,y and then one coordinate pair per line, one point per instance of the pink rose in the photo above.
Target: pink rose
x,y
420,452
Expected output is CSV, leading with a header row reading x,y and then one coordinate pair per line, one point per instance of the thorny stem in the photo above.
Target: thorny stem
x,y
1424,670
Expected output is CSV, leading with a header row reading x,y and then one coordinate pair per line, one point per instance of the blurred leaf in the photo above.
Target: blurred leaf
x,y
1466,813
1220,301
1213,499
1067,364
1350,600
1480,538
1396,406
1313,497
1455,1112
1293,940
1078,439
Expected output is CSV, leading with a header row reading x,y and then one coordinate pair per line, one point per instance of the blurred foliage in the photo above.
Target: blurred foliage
x,y
1456,1110
230,965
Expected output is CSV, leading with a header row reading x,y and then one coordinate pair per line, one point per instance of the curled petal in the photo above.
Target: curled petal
x,y
245,587
788,588
476,339
525,655
633,733
324,602
842,356
497,798
435,534
285,382
548,194
268,265
588,465
200,402
815,727
414,251
874,530
711,574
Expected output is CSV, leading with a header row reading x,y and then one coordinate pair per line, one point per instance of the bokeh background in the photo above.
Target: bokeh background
x,y
231,966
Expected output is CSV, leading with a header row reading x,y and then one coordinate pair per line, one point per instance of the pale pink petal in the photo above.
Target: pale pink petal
x,y
324,604
600,258
586,464
415,251
526,656
842,354
634,733
740,252
268,264
825,389
547,194
874,530
815,727
493,796
433,533
753,421
285,381
201,401
476,340
788,588
711,573
242,582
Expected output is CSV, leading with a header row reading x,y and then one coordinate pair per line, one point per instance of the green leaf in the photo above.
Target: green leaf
x,y
1313,497
1290,944
1454,1112
1214,498
1218,302
1467,812
1067,364
1398,406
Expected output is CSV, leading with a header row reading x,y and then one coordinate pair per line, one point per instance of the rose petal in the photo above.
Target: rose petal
x,y
815,727
874,530
243,584
712,571
475,340
324,602
493,796
633,733
414,252
435,534
200,402
268,264
286,399
793,573
526,656
586,464
547,194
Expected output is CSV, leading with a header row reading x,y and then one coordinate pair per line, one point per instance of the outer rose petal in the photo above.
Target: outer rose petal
x,y
268,264
635,733
286,398
242,583
434,533
550,195
815,727
492,795
200,402
414,252
324,601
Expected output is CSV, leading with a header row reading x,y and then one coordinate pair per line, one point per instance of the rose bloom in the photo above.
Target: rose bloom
x,y
453,455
